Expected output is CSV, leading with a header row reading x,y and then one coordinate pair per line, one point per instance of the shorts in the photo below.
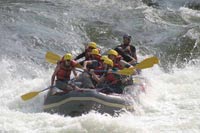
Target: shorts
x,y
63,85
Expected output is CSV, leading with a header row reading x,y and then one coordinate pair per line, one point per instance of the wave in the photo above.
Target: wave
x,y
169,31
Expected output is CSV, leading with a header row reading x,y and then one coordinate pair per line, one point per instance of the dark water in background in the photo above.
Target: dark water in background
x,y
168,29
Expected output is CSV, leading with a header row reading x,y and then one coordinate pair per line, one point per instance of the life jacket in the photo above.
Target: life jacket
x,y
64,72
98,70
111,79
117,63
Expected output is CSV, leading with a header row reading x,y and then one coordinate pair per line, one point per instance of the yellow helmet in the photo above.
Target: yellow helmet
x,y
92,45
95,52
112,52
68,56
104,57
108,62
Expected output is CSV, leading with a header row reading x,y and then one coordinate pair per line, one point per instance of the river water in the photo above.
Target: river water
x,y
167,29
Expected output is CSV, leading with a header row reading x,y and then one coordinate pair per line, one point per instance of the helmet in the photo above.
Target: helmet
x,y
104,57
68,56
126,36
92,45
95,52
112,52
108,62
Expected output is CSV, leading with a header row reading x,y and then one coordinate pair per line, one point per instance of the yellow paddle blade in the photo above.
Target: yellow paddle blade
x,y
51,61
126,71
30,95
147,63
52,57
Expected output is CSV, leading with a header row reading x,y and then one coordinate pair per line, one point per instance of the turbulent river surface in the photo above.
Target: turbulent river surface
x,y
168,29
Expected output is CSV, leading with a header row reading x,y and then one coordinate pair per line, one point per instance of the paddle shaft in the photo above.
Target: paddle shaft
x,y
45,89
146,63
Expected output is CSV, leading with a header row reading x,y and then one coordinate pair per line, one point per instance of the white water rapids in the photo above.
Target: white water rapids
x,y
168,29
171,104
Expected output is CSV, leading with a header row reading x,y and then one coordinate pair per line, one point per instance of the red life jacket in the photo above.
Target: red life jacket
x,y
117,63
110,79
100,68
64,72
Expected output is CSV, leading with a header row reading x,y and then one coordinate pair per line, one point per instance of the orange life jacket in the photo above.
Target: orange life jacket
x,y
65,71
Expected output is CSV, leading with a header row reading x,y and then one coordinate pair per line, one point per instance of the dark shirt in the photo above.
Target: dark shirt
x,y
127,57
83,54
94,64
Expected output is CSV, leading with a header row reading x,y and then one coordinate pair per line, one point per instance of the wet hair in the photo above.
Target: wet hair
x,y
127,36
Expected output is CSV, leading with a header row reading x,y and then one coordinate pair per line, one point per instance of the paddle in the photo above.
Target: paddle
x,y
30,95
146,63
54,58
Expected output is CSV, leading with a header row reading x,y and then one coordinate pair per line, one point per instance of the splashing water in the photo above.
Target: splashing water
x,y
30,29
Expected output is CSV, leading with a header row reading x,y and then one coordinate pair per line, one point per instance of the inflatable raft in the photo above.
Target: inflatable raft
x,y
78,102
